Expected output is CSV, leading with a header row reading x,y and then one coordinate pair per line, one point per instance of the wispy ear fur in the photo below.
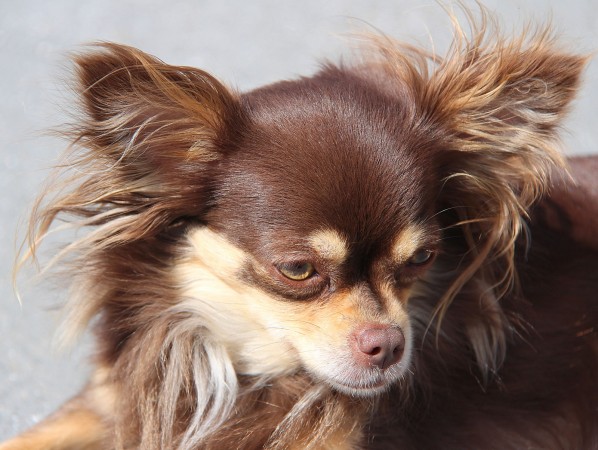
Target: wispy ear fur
x,y
147,135
499,101
142,121
135,176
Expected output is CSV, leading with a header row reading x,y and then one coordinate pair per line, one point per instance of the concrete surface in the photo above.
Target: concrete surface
x,y
245,43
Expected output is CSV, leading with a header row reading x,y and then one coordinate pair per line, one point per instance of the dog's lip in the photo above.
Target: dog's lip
x,y
360,388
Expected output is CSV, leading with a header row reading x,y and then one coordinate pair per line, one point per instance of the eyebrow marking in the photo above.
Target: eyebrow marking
x,y
330,244
407,242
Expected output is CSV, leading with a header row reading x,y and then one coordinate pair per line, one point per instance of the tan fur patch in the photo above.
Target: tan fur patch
x,y
102,392
73,427
407,243
239,315
330,244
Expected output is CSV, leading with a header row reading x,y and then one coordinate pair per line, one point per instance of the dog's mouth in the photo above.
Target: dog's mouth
x,y
361,391
368,366
371,386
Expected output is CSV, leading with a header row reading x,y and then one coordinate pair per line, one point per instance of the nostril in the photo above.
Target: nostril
x,y
375,351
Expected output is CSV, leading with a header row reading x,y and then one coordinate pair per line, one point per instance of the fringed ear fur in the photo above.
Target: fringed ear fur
x,y
502,102
144,142
499,102
143,148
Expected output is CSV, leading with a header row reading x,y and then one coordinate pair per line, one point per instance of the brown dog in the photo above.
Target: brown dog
x,y
365,258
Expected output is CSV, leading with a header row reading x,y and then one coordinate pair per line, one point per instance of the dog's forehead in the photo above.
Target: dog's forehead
x,y
324,156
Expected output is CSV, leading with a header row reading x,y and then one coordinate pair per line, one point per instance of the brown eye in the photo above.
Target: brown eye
x,y
297,271
421,257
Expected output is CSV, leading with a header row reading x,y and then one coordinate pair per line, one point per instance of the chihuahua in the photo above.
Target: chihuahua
x,y
387,254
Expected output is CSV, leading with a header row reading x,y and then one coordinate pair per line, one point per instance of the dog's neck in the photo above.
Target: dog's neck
x,y
290,412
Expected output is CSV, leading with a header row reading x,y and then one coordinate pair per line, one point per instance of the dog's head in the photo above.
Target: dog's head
x,y
316,225
322,218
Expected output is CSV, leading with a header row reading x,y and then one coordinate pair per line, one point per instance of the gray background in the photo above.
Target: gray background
x,y
244,43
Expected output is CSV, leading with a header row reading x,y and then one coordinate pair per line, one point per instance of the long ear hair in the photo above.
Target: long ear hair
x,y
498,102
140,169
142,155
142,122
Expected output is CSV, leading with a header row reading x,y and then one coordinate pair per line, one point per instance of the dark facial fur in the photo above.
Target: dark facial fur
x,y
338,156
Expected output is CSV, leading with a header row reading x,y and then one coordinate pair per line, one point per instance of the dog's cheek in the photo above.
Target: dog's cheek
x,y
268,336
263,335
320,334
226,310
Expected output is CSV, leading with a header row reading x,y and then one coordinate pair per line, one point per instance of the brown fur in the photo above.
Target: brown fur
x,y
194,194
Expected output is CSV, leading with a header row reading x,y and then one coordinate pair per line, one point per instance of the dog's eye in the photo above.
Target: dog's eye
x,y
299,271
421,258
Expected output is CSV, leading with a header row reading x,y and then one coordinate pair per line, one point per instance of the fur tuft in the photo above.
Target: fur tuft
x,y
500,102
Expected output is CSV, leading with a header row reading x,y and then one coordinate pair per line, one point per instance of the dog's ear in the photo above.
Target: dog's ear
x,y
501,103
493,106
135,100
145,145
147,137
495,103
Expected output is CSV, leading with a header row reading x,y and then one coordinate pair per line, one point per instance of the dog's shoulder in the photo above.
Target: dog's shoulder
x,y
571,208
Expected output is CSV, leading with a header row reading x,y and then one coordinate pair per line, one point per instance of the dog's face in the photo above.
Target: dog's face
x,y
322,221
312,210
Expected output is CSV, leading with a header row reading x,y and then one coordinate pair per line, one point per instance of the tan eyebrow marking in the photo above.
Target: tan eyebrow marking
x,y
330,244
407,243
